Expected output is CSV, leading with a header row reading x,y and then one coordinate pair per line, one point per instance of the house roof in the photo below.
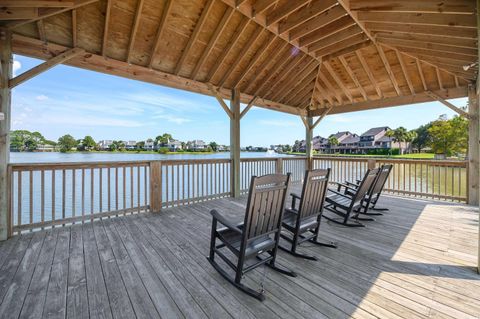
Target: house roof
x,y
385,139
351,139
375,131
296,56
340,134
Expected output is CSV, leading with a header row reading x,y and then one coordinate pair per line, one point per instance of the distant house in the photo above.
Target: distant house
x,y
369,139
349,145
130,145
174,145
196,145
340,136
104,144
149,145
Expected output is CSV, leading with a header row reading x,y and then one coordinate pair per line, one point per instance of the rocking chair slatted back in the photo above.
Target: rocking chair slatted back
x,y
313,193
382,178
365,186
265,205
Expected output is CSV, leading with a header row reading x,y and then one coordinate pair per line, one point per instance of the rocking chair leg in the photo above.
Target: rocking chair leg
x,y
255,294
282,269
294,253
380,209
369,219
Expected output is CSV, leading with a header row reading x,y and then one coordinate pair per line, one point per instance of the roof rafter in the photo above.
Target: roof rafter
x,y
136,21
161,27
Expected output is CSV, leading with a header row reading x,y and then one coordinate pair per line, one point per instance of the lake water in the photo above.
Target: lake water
x,y
54,157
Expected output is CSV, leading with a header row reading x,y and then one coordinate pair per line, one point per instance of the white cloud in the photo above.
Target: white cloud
x,y
16,66
90,121
278,123
339,119
41,97
172,118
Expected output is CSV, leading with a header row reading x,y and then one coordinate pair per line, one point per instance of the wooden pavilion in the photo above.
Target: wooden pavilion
x,y
305,57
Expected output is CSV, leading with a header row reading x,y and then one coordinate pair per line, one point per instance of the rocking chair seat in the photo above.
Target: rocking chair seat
x,y
338,200
290,221
233,240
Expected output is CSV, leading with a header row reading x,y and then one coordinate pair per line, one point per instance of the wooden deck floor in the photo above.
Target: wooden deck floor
x,y
416,262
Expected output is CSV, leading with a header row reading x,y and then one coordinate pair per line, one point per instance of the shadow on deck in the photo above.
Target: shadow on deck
x,y
417,261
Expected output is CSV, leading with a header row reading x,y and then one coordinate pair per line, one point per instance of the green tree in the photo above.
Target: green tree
x,y
449,136
213,146
66,143
163,139
333,141
88,143
422,139
140,145
411,136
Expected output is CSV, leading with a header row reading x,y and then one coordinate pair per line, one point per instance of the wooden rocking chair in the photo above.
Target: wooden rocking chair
x,y
374,194
303,223
347,205
257,237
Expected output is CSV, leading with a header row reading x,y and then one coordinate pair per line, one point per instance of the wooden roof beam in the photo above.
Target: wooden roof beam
x,y
369,73
457,20
105,27
334,38
390,73
428,41
50,12
321,89
337,80
321,117
213,40
74,28
161,27
133,34
439,78
253,38
347,50
191,40
428,45
306,13
220,100
283,71
318,22
260,52
283,9
285,59
41,30
423,6
269,61
448,104
328,30
345,43
248,107
330,87
37,3
420,97
296,92
294,80
405,71
353,77
286,75
457,32
260,6
47,65
233,40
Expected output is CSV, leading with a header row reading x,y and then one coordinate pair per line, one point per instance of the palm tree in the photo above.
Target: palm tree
x,y
332,141
399,135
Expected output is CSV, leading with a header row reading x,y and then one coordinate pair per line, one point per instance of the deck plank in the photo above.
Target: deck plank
x,y
416,261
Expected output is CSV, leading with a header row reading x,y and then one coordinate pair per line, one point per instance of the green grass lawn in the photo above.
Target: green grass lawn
x,y
406,156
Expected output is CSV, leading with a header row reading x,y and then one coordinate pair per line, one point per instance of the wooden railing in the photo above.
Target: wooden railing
x,y
446,180
44,195
48,195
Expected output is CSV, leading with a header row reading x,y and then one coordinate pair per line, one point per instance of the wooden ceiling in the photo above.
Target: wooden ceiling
x,y
296,56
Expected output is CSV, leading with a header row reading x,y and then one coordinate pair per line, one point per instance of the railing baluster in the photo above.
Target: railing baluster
x,y
42,195
19,203
30,196
63,194
92,194
74,172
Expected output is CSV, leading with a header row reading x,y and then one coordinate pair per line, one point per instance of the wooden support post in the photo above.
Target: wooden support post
x,y
155,186
308,141
235,143
473,147
6,60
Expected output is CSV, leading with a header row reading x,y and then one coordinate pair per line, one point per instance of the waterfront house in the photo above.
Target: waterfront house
x,y
174,145
104,145
196,145
149,145
130,145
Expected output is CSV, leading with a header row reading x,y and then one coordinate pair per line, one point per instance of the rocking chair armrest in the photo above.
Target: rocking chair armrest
x,y
295,195
291,210
222,220
352,184
340,185
338,193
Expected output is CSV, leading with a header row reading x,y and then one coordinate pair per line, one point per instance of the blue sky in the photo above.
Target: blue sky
x,y
79,102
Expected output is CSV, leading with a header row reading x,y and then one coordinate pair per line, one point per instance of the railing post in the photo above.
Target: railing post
x,y
155,186
279,166
372,163
235,143
5,120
